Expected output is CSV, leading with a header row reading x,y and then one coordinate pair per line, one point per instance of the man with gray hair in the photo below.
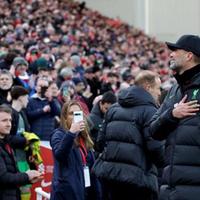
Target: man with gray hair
x,y
78,69
6,82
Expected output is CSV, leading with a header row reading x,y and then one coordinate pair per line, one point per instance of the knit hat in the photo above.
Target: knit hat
x,y
42,64
127,75
77,80
33,48
19,61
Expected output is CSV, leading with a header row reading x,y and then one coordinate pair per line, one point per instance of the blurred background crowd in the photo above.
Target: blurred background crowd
x,y
54,52
62,50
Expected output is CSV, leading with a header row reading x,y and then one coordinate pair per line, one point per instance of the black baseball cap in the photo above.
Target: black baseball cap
x,y
188,43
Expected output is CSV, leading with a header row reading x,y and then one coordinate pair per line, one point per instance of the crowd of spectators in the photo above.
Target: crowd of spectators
x,y
58,51
80,53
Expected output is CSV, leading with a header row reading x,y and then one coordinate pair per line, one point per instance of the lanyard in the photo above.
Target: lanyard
x,y
83,151
8,149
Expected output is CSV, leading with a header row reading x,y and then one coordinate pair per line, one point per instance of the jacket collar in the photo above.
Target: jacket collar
x,y
4,140
36,96
189,77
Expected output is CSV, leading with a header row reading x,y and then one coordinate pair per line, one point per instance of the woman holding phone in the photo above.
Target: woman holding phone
x,y
73,157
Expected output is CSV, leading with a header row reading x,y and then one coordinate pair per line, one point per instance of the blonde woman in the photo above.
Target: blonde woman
x,y
73,158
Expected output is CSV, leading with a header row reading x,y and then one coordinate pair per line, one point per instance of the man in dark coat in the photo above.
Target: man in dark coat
x,y
177,121
6,82
98,111
10,178
127,164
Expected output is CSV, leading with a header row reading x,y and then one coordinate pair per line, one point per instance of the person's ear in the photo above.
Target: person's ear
x,y
190,56
100,104
20,99
147,87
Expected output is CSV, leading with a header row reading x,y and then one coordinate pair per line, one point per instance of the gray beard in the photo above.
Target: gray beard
x,y
175,67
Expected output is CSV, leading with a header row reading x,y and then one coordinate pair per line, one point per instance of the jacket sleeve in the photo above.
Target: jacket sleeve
x,y
61,144
101,137
17,141
55,107
34,113
155,149
9,179
163,122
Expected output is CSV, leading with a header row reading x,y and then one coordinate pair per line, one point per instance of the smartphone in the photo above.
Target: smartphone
x,y
78,116
65,92
43,91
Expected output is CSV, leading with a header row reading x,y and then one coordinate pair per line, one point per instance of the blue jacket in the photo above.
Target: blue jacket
x,y
42,123
68,178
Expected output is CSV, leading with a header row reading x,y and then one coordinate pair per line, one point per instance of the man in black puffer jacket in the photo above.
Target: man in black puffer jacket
x,y
178,121
127,164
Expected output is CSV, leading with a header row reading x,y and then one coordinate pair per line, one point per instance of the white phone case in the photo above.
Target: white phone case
x,y
78,116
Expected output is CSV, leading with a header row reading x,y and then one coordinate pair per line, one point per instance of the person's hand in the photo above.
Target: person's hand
x,y
37,179
185,109
9,98
34,176
46,108
31,159
12,70
77,127
57,119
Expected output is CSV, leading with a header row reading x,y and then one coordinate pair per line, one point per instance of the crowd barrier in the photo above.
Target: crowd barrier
x,y
45,184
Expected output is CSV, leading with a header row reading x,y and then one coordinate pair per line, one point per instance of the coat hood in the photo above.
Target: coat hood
x,y
135,96
96,110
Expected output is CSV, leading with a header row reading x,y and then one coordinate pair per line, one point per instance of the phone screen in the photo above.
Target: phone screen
x,y
65,92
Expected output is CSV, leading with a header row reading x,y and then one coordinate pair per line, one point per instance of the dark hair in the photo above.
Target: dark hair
x,y
17,91
41,78
52,82
112,74
108,97
10,57
5,108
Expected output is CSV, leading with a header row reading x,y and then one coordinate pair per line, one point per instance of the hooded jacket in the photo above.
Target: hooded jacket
x,y
129,153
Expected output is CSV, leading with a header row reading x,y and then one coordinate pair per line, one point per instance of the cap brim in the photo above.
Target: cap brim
x,y
172,46
24,63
